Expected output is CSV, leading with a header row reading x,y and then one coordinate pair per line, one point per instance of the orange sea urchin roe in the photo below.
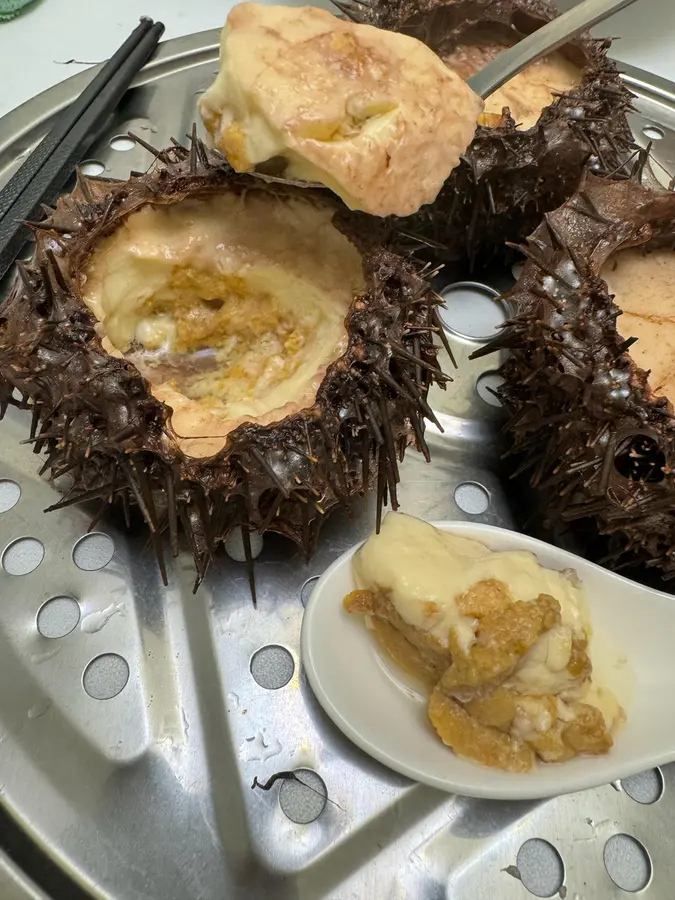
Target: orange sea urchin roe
x,y
520,687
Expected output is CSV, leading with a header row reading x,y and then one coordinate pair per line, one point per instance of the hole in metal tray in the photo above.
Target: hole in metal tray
x,y
272,667
234,545
471,311
58,617
106,676
653,132
646,787
627,863
307,588
93,551
486,384
23,556
540,867
92,167
122,143
472,498
304,797
10,492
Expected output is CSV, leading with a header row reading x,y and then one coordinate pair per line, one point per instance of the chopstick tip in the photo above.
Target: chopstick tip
x,y
150,24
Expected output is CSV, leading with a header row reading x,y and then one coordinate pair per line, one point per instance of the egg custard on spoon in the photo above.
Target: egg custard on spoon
x,y
538,134
373,115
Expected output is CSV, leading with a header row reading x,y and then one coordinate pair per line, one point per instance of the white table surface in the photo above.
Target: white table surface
x,y
35,48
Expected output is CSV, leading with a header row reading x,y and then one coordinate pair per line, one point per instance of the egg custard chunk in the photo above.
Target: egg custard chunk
x,y
500,642
375,116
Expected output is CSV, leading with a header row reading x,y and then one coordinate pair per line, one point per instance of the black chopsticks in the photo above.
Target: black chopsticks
x,y
44,173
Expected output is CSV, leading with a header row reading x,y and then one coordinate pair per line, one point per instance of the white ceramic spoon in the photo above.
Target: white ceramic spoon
x,y
632,649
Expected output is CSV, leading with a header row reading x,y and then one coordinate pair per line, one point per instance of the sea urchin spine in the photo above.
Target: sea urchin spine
x,y
95,418
510,176
595,441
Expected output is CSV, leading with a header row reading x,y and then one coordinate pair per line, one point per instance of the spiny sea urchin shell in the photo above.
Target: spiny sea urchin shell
x,y
97,419
593,432
508,176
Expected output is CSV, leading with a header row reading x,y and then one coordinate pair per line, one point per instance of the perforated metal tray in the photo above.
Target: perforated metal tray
x,y
129,745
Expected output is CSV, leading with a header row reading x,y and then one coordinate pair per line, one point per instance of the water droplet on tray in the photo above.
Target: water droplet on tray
x,y
95,621
39,709
273,749
513,871
38,658
232,701
259,748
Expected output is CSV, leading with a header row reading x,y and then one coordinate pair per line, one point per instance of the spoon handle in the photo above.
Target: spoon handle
x,y
542,41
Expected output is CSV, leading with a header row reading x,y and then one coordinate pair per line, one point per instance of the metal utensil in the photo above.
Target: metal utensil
x,y
542,41
513,60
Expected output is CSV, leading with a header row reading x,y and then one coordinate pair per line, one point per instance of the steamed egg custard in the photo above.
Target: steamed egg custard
x,y
527,93
500,641
374,115
643,285
232,306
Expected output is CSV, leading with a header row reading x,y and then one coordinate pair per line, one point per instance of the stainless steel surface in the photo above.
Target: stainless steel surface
x,y
654,119
148,794
15,884
542,41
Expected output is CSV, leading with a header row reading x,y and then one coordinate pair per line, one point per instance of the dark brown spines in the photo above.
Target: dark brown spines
x,y
508,178
95,418
595,443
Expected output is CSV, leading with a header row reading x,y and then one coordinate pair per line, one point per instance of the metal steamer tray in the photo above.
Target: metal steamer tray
x,y
134,718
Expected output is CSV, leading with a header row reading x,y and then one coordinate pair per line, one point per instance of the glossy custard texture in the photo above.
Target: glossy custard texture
x,y
643,285
373,115
501,642
232,306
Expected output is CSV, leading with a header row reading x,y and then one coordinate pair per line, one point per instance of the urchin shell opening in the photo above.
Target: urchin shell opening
x,y
642,281
508,177
232,305
530,92
640,458
96,419
587,430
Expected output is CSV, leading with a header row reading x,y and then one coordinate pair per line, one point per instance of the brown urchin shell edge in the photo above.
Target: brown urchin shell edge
x,y
96,419
586,430
508,178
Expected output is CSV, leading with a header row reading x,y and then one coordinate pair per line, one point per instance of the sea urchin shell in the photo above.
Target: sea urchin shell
x,y
96,417
588,426
509,176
